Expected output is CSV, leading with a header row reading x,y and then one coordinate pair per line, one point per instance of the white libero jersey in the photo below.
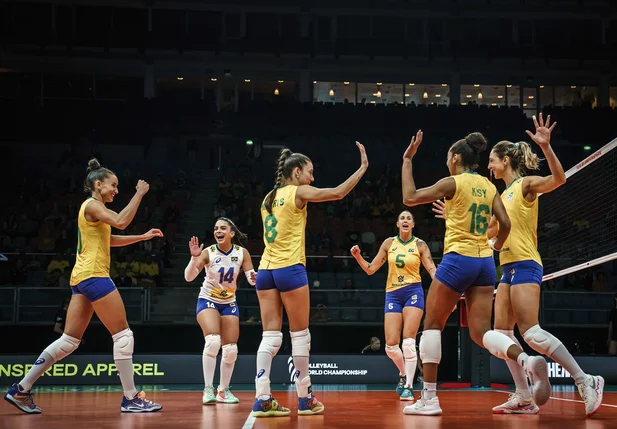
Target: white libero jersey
x,y
221,273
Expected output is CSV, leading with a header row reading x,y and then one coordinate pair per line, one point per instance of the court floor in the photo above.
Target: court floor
x,y
356,406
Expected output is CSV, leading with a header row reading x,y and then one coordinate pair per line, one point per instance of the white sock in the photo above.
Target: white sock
x,y
209,365
518,373
410,370
125,370
430,389
46,362
563,357
227,368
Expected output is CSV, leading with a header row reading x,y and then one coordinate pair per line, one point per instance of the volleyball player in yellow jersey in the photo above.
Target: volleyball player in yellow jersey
x,y
518,293
467,265
282,280
404,304
94,291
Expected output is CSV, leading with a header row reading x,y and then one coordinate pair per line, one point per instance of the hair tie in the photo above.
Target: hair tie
x,y
516,144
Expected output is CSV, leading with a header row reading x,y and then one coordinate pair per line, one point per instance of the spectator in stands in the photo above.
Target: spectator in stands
x,y
60,261
612,329
373,347
122,280
219,211
320,314
149,272
349,293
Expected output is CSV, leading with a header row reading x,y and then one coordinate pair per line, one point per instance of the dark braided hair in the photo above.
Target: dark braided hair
x,y
93,173
239,236
287,162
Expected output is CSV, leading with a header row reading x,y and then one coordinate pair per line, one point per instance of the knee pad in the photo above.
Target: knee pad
x,y
510,334
62,347
270,342
409,349
497,343
301,343
213,345
393,351
230,353
123,344
541,341
430,346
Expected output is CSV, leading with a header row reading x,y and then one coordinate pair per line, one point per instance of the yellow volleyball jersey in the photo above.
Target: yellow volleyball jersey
x,y
468,216
283,231
403,264
522,243
93,244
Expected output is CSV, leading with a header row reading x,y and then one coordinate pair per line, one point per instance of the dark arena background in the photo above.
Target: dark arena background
x,y
198,97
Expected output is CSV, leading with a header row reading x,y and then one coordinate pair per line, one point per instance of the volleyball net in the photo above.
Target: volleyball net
x,y
577,223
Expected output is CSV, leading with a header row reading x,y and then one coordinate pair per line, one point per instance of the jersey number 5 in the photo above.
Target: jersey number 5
x,y
400,261
479,220
229,277
270,228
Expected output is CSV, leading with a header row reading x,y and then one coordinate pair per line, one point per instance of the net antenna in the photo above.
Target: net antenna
x,y
577,223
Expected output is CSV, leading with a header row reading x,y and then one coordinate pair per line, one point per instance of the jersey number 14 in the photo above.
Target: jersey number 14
x,y
229,277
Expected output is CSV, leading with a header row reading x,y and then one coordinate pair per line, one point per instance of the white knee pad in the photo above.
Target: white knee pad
x,y
497,343
393,351
123,344
409,349
213,345
230,353
62,347
270,342
541,341
301,343
510,334
430,346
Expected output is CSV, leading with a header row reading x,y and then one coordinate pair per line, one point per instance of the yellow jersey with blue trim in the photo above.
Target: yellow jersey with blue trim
x,y
522,243
284,231
403,263
468,215
93,248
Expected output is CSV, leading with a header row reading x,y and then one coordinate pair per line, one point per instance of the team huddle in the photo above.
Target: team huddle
x,y
478,222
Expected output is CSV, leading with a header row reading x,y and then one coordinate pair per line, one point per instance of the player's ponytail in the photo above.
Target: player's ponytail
x,y
95,172
530,160
520,155
239,237
286,163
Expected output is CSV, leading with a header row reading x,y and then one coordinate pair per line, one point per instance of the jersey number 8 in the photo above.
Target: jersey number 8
x,y
270,228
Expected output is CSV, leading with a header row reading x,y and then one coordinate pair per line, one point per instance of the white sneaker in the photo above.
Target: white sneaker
x,y
517,405
592,390
424,407
536,369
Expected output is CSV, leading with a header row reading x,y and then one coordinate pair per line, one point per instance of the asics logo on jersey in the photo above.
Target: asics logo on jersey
x,y
217,260
39,361
510,195
394,248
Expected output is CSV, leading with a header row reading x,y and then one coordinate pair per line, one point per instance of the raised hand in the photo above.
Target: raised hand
x,y
355,251
363,157
142,187
413,145
542,136
194,246
153,233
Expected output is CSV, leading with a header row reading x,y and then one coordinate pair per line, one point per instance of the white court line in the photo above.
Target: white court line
x,y
564,399
250,421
